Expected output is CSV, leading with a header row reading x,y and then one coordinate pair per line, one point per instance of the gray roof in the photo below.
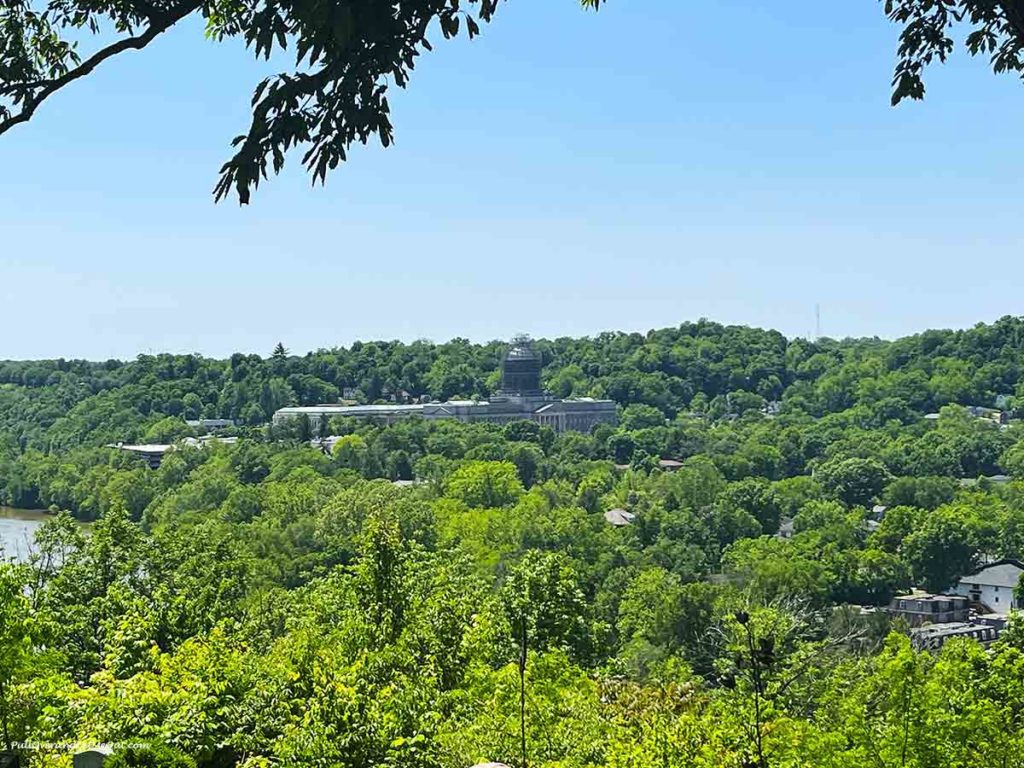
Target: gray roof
x,y
920,594
348,410
945,630
1002,573
619,517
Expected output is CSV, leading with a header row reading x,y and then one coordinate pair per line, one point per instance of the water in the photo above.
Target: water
x,y
17,528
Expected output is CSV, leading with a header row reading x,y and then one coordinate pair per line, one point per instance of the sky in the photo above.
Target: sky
x,y
566,173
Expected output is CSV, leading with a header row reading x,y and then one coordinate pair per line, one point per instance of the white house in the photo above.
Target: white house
x,y
993,586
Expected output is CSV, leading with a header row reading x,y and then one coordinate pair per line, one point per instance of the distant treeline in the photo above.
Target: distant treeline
x,y
703,366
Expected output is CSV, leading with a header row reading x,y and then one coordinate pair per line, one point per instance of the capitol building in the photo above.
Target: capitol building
x,y
520,398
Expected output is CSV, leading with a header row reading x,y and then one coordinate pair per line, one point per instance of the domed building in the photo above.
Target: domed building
x,y
521,397
520,370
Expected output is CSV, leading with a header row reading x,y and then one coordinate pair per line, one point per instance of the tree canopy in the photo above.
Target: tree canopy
x,y
442,594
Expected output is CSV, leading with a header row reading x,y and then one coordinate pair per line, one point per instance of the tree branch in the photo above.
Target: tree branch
x,y
159,24
1013,12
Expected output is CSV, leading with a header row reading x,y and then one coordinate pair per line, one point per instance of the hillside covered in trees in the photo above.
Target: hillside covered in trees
x,y
440,594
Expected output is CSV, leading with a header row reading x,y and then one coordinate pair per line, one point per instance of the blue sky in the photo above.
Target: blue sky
x,y
565,173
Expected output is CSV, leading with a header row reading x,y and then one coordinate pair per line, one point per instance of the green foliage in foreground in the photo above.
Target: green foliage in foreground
x,y
303,615
406,654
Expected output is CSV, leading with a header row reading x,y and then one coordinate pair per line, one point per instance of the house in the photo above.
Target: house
x,y
970,482
996,620
669,465
619,517
920,608
993,586
786,529
996,416
208,440
152,454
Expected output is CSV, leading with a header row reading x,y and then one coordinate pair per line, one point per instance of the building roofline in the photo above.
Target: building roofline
x,y
1004,561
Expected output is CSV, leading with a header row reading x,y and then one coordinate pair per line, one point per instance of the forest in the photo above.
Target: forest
x,y
438,595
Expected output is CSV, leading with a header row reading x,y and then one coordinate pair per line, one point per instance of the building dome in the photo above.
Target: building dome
x,y
520,370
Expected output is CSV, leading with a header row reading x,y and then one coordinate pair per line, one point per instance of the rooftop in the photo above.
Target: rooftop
x,y
920,594
1002,573
949,628
143,448
619,517
340,409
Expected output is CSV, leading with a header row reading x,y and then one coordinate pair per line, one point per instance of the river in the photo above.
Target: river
x,y
17,527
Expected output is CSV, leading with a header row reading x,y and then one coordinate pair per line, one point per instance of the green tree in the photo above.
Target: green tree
x,y
1013,461
57,541
17,628
155,756
640,416
757,498
383,575
485,484
924,492
350,451
541,597
193,406
529,461
853,480
544,609
894,528
943,548
166,431
659,618
771,569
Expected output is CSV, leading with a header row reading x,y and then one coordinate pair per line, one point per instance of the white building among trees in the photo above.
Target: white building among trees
x,y
994,586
